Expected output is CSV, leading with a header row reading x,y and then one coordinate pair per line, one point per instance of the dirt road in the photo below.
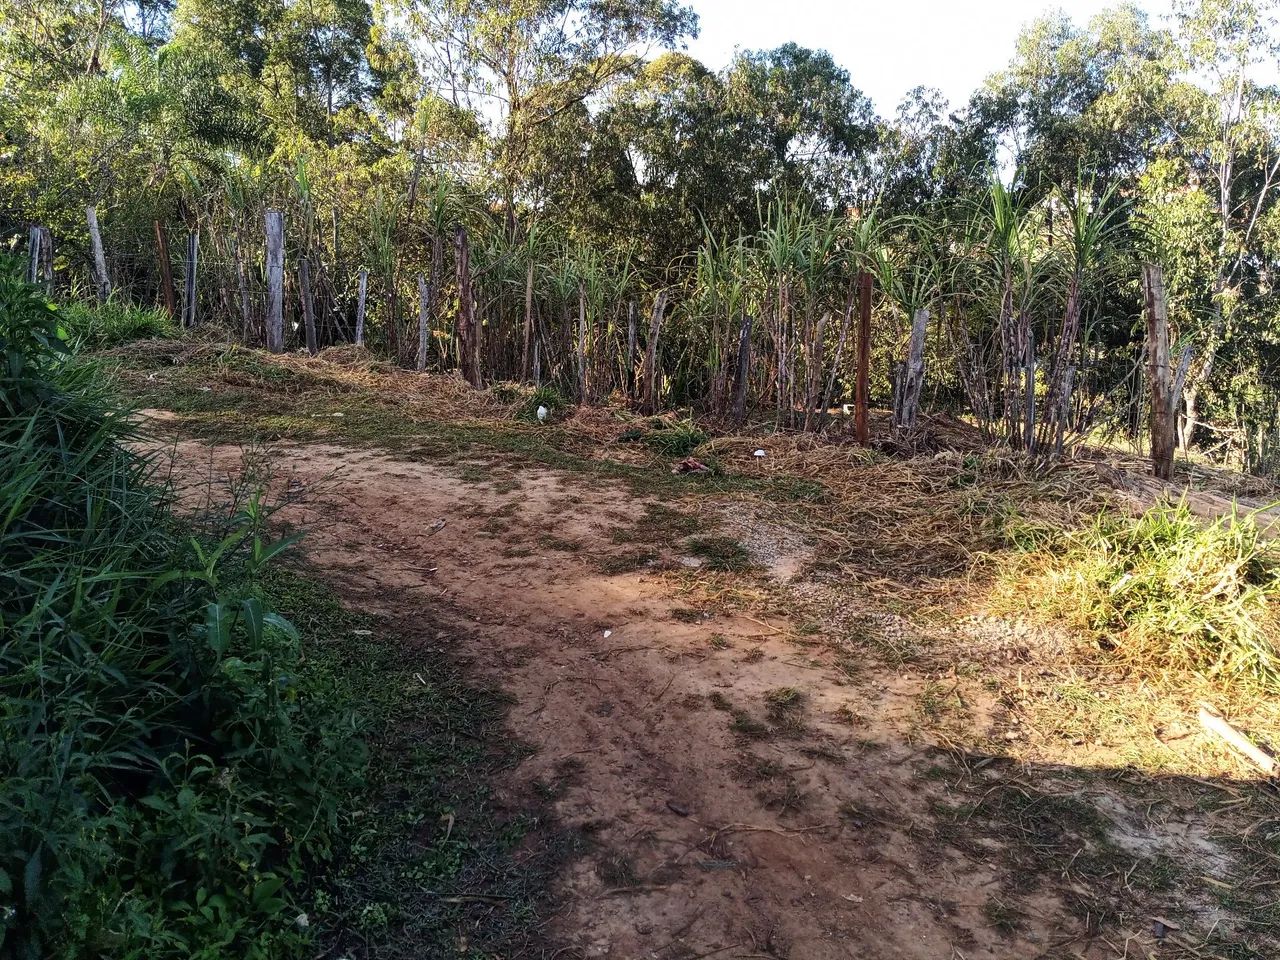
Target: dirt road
x,y
750,787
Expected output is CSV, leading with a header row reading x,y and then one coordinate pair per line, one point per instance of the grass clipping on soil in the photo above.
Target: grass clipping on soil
x,y
1164,590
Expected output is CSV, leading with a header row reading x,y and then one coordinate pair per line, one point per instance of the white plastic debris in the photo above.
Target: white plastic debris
x,y
758,453
542,414
608,634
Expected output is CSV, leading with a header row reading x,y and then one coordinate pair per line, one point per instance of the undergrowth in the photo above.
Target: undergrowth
x,y
1167,589
95,326
169,767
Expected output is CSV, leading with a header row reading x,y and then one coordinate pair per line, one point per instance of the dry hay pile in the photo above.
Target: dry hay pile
x,y
916,523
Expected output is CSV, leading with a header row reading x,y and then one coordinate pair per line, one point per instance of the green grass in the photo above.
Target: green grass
x,y
428,849
170,767
93,326
720,553
1170,590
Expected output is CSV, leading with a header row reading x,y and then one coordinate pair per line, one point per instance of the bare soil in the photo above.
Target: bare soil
x,y
750,786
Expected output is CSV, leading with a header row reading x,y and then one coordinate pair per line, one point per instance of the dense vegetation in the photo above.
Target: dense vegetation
x,y
534,184
169,763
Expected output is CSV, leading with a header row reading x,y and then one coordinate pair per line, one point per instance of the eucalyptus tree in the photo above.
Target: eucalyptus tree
x,y
521,64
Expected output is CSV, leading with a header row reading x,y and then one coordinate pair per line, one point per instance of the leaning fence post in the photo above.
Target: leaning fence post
x,y
1162,427
361,293
275,280
99,256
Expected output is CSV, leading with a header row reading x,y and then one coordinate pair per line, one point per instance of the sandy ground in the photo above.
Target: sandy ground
x,y
799,838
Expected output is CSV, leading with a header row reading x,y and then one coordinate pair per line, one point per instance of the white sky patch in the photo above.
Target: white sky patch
x,y
891,46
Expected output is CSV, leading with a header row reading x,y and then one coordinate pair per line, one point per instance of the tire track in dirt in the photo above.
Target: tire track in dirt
x,y
803,836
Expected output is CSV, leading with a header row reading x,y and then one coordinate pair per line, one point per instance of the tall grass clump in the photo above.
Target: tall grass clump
x,y
1172,590
97,326
167,766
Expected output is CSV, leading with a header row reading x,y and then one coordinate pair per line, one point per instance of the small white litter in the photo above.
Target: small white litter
x,y
542,414
758,453
608,634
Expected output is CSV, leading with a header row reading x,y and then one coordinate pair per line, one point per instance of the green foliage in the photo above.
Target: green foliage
x,y
670,440
168,763
1171,590
94,326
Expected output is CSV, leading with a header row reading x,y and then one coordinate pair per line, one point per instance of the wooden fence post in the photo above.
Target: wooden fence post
x,y
190,290
862,384
99,256
651,386
908,412
35,243
1163,438
361,293
275,280
424,302
308,305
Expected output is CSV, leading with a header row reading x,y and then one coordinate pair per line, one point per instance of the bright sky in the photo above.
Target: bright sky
x,y
889,46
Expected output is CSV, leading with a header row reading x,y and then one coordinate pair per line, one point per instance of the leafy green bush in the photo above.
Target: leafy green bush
x,y
1171,589
94,326
167,765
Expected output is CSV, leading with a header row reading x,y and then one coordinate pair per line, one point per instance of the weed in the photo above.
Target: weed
x,y
94,326
720,553
1171,590
628,561
1002,916
745,725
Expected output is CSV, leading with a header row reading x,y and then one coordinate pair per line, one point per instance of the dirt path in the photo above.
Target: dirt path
x,y
743,795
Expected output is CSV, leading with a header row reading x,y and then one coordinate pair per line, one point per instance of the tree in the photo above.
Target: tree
x,y
522,64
